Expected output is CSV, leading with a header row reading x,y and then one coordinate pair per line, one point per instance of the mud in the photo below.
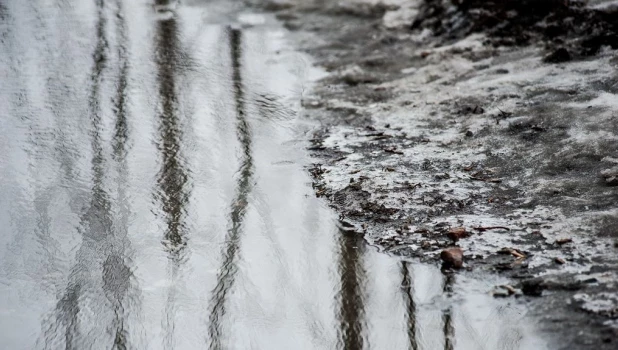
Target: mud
x,y
498,119
557,24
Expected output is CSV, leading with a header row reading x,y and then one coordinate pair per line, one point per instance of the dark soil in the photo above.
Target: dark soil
x,y
566,27
425,202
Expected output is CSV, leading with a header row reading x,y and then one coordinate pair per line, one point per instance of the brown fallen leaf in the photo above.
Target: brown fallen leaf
x,y
456,233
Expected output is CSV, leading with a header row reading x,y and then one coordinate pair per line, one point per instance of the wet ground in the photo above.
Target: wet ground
x,y
155,195
488,127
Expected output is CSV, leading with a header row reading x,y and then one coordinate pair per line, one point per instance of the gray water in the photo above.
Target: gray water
x,y
154,195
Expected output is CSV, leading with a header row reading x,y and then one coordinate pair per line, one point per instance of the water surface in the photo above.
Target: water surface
x,y
154,195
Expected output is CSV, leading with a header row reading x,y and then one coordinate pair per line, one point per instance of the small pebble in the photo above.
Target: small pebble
x,y
456,233
452,257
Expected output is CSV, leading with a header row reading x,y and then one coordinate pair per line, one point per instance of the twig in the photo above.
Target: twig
x,y
486,228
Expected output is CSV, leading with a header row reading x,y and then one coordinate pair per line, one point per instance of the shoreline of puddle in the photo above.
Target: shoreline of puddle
x,y
161,198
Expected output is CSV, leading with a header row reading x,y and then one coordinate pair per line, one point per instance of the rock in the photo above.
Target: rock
x,y
610,176
560,261
559,56
456,233
533,287
452,258
500,293
503,291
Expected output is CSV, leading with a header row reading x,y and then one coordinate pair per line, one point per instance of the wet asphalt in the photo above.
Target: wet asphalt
x,y
154,195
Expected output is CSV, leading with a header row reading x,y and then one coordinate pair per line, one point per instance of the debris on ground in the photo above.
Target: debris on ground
x,y
457,233
504,291
452,258
610,176
496,117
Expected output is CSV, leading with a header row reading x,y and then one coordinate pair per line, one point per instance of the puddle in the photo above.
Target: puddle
x,y
155,196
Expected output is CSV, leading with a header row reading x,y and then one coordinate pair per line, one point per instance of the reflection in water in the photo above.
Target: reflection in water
x,y
48,248
116,274
116,279
298,276
66,320
121,132
173,177
352,277
449,329
408,296
227,272
96,223
104,239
